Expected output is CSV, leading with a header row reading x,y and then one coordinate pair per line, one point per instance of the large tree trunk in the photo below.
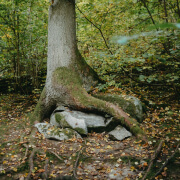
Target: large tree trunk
x,y
68,75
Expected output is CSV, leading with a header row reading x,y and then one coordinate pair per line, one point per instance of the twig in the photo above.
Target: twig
x,y
76,164
25,156
98,29
31,164
45,173
55,155
153,158
160,170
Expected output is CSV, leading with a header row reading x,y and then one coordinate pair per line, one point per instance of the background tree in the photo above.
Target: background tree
x,y
23,42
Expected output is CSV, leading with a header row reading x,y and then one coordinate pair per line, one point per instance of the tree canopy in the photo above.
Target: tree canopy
x,y
136,39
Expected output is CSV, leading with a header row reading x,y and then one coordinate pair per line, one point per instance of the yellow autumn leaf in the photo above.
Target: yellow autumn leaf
x,y
52,175
14,169
140,175
26,174
109,147
133,168
3,171
108,170
9,36
102,150
60,172
5,162
71,148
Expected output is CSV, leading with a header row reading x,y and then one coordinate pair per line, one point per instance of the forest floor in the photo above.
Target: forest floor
x,y
94,156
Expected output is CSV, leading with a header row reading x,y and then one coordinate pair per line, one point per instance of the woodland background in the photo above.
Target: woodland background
x,y
133,45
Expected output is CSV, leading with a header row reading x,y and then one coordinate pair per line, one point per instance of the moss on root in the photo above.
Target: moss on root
x,y
124,102
83,101
38,113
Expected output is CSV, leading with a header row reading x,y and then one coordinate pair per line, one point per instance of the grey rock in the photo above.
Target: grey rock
x,y
92,120
78,120
65,119
53,120
52,132
137,110
119,133
129,104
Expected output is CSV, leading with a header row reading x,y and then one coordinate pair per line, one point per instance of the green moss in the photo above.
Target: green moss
x,y
68,132
66,76
60,119
126,104
80,130
71,81
39,109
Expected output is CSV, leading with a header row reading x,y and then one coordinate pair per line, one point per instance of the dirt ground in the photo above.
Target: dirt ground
x,y
93,157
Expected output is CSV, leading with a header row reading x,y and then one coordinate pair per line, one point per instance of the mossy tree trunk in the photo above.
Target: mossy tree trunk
x,y
68,75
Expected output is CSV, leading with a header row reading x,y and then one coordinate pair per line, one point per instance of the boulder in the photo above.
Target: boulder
x,y
65,119
52,132
119,133
129,104
91,120
79,121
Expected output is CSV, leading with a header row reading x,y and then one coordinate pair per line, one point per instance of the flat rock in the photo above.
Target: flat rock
x,y
78,120
52,132
91,120
119,133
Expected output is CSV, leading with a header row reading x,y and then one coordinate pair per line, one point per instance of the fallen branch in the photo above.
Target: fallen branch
x,y
26,153
45,173
76,164
55,155
31,164
161,169
153,158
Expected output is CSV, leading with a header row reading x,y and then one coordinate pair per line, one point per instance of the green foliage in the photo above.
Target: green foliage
x,y
125,42
23,41
143,37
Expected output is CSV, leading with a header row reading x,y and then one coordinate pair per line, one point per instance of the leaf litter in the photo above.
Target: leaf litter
x,y
100,158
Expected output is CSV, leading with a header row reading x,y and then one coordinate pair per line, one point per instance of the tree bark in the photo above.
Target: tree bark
x,y
69,77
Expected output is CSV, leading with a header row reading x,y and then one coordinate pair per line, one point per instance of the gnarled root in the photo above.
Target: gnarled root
x,y
68,91
89,103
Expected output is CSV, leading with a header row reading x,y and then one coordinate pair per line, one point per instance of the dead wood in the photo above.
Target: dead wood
x,y
166,162
55,155
77,163
31,164
45,173
153,158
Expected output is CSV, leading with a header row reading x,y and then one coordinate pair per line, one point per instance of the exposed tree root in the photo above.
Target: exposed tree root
x,y
26,153
77,163
119,115
153,158
72,94
55,155
166,162
31,164
45,173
